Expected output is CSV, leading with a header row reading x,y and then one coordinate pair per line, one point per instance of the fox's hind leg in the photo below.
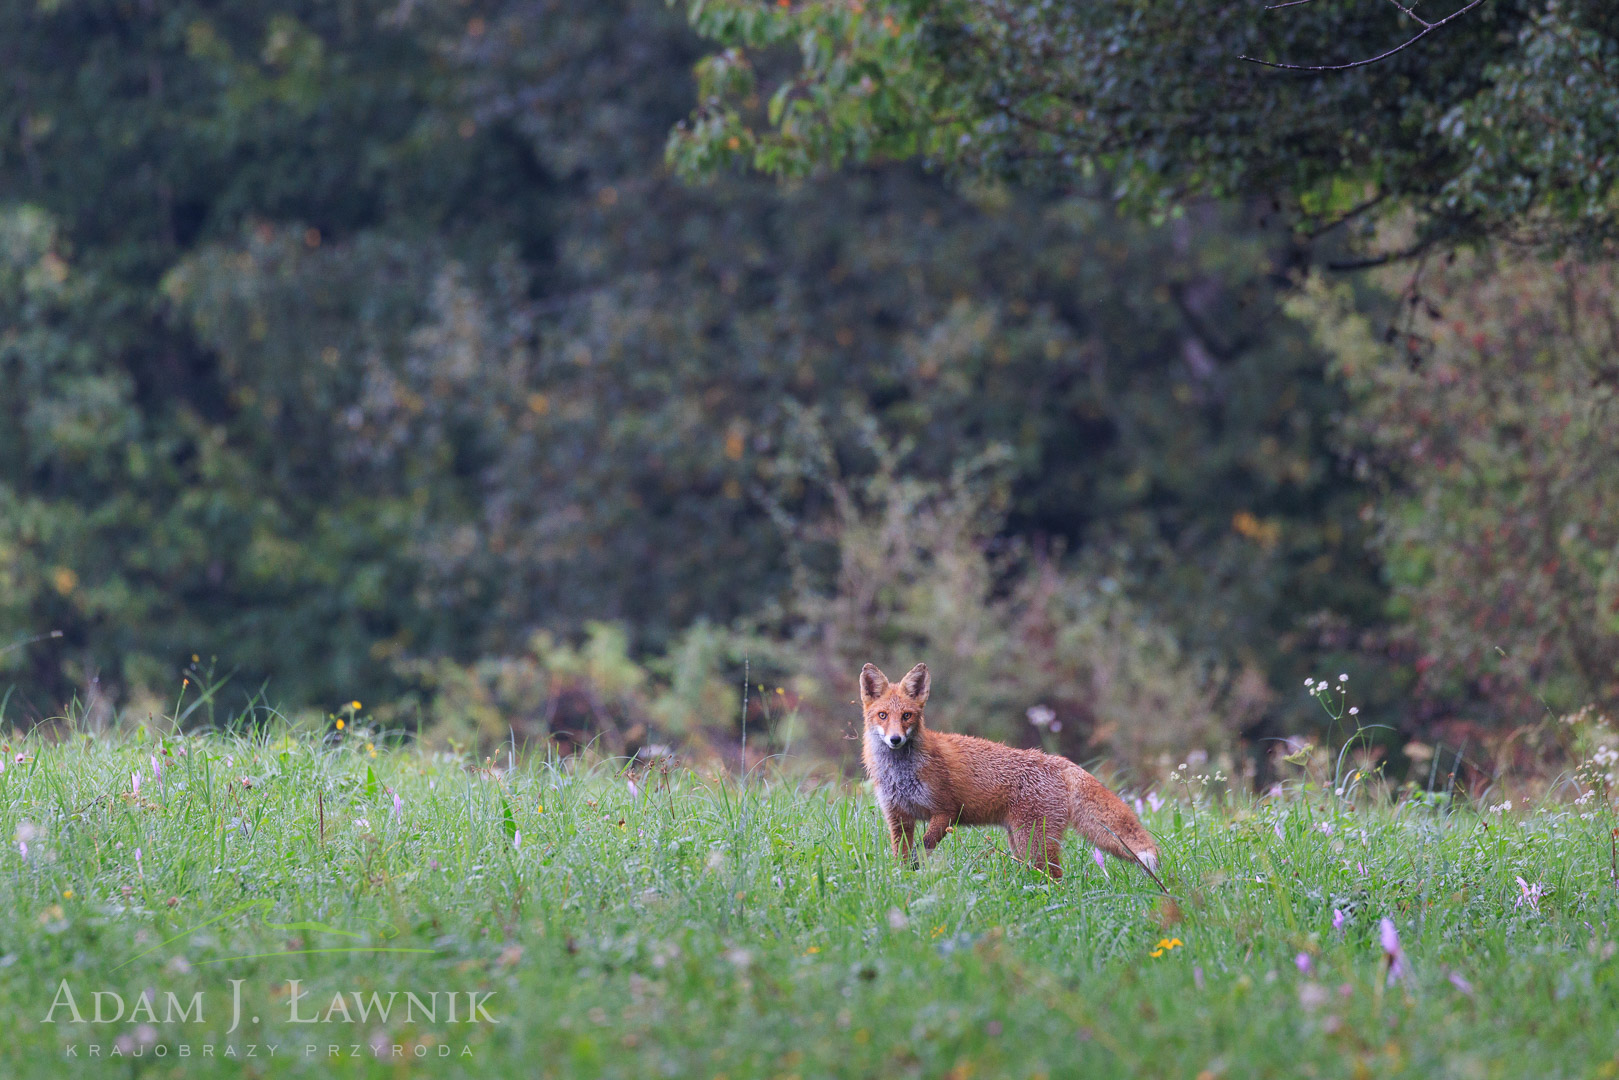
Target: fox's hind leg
x,y
1038,843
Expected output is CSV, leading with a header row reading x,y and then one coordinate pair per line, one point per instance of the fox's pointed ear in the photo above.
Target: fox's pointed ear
x,y
916,684
873,684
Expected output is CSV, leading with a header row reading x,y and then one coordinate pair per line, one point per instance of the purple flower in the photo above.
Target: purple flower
x,y
1391,949
1154,801
1459,982
1337,919
1529,894
399,807
135,781
1101,860
1303,963
1326,827
138,867
157,770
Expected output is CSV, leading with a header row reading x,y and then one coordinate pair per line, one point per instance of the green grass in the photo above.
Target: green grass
x,y
709,929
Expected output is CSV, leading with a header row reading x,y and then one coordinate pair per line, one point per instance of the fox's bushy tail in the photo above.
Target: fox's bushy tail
x,y
1102,818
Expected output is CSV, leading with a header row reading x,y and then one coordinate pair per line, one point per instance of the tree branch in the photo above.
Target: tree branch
x,y
1427,28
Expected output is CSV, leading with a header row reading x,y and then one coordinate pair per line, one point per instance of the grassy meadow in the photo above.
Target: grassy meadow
x,y
690,925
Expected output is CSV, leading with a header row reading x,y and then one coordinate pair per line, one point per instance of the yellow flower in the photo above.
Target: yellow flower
x,y
1165,945
355,705
340,724
67,894
812,950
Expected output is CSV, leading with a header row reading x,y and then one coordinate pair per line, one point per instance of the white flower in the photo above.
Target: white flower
x,y
1354,710
1041,715
1343,677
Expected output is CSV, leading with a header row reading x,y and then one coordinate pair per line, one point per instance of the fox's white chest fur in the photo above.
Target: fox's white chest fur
x,y
895,775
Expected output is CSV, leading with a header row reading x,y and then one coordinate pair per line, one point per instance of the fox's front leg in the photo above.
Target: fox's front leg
x,y
938,825
902,834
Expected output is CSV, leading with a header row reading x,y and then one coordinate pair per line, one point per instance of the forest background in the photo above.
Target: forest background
x,y
618,373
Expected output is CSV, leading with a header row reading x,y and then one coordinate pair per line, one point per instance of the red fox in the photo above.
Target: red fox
x,y
950,779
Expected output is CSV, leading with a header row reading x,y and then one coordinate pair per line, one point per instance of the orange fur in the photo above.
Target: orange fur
x,y
947,780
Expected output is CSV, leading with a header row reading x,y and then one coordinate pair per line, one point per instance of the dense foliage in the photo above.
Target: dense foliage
x,y
1499,432
373,351
345,341
1503,120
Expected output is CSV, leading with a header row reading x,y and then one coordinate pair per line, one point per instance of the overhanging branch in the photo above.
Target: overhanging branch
x,y
1427,28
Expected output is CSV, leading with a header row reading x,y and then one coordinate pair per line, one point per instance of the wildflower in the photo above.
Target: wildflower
x,y
1460,982
812,950
1154,801
1277,825
355,705
1354,710
1529,894
1165,945
517,838
1344,677
135,781
339,723
139,869
635,789
362,823
157,770
1041,715
67,894
1325,827
1392,952
1140,808
1101,860
1303,963
1197,976
399,807
1501,807
371,748
1309,682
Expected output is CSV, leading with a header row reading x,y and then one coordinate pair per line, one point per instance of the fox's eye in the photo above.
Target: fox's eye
x,y
904,716
882,716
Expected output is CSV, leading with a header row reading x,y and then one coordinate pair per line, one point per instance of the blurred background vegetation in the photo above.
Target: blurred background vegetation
x,y
372,350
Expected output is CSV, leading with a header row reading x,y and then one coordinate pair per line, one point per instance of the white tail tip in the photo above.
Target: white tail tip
x,y
1149,859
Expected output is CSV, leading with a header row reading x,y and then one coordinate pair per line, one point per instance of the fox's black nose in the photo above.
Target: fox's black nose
x,y
895,740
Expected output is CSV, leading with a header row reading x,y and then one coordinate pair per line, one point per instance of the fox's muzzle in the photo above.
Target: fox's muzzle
x,y
895,741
